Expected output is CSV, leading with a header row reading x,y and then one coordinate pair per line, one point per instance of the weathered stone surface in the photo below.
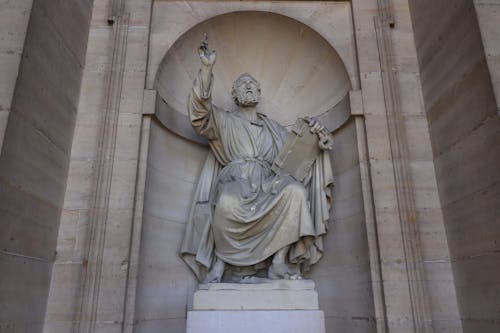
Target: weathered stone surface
x,y
276,295
255,321
459,93
36,147
446,64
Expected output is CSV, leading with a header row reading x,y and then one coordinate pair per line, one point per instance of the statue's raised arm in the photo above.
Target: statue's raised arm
x,y
207,58
200,106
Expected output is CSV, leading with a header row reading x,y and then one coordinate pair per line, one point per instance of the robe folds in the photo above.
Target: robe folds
x,y
242,212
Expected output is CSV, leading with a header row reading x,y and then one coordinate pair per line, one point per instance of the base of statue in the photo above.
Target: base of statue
x,y
278,306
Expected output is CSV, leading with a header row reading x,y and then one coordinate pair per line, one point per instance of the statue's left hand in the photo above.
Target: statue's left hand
x,y
325,138
325,141
315,126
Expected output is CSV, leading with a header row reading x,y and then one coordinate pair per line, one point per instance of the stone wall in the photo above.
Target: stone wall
x,y
165,284
36,149
14,17
464,128
416,283
342,276
488,15
387,266
89,279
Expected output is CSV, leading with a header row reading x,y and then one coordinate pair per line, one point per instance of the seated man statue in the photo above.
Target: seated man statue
x,y
245,216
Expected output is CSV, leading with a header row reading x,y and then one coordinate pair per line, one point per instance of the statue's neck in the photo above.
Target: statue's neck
x,y
249,113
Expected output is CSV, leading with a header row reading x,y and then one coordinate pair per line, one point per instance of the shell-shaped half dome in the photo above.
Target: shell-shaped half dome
x,y
299,71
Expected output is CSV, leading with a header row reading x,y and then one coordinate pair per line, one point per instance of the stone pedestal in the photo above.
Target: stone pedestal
x,y
277,306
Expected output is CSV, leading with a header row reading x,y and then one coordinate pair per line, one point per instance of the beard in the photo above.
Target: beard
x,y
248,97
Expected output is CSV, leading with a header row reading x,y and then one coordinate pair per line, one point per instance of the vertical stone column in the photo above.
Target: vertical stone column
x,y
14,17
417,286
91,272
149,105
356,103
99,209
406,208
488,16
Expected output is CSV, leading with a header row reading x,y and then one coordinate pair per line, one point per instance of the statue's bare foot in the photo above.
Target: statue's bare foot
x,y
278,271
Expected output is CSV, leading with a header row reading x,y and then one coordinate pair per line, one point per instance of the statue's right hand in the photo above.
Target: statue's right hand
x,y
207,57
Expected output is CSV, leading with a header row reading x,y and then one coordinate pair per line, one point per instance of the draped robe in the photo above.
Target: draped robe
x,y
243,212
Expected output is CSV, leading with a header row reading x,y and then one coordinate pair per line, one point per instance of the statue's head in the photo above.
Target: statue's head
x,y
246,90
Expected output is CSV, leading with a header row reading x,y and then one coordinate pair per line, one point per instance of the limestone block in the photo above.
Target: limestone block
x,y
122,187
441,288
424,185
418,139
4,117
384,193
64,296
347,194
410,89
343,291
432,234
140,12
70,19
24,285
344,141
276,295
173,325
255,321
481,161
373,98
488,14
474,105
439,71
473,223
97,59
42,54
79,193
346,241
14,16
377,136
9,65
149,102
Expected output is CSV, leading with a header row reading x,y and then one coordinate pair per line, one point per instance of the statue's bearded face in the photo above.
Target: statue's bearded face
x,y
246,91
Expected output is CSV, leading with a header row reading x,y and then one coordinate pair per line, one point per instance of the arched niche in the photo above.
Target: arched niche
x,y
301,74
299,71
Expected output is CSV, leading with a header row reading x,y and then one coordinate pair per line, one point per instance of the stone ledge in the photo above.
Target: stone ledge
x,y
255,321
274,295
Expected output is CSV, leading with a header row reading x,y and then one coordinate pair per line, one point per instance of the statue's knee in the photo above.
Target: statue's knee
x,y
226,203
297,190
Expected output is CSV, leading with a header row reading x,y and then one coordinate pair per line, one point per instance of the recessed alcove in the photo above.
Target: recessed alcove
x,y
300,74
299,71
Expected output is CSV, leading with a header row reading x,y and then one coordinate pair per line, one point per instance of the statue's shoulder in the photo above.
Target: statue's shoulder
x,y
268,120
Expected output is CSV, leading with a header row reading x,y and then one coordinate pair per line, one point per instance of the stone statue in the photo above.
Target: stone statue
x,y
245,217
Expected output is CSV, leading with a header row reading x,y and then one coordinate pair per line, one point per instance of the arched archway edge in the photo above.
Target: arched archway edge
x,y
330,19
